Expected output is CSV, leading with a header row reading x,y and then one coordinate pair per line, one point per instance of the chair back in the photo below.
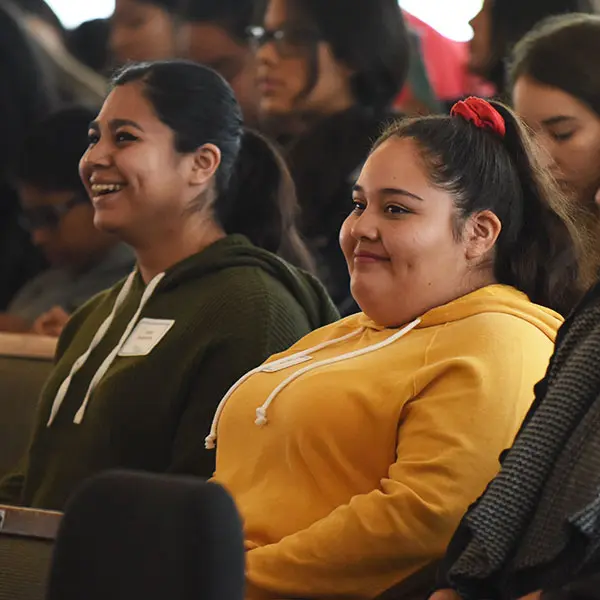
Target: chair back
x,y
136,535
25,364
26,540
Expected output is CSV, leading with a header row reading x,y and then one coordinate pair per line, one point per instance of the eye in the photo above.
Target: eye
x,y
124,136
396,209
358,205
93,138
563,137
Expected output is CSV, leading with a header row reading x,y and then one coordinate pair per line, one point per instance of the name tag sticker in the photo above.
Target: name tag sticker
x,y
146,335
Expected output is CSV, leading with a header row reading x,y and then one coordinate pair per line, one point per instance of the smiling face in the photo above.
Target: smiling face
x,y
139,184
568,130
400,241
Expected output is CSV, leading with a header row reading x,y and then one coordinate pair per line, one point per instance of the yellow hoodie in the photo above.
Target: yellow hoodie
x,y
353,456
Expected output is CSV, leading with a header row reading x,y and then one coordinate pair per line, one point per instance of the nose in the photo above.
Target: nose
x,y
97,155
365,226
266,54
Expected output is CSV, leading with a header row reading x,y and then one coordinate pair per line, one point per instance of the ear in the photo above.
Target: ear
x,y
480,234
205,162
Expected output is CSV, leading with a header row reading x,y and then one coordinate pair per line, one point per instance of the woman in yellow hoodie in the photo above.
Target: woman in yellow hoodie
x,y
353,455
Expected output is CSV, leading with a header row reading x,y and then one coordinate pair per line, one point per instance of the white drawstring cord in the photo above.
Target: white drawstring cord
x,y
261,412
78,364
211,438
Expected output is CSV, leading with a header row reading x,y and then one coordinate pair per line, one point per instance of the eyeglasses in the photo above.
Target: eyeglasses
x,y
49,216
288,41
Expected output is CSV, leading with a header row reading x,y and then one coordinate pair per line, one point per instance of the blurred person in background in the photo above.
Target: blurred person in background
x,y
143,30
502,23
88,43
60,217
214,33
327,75
555,85
31,95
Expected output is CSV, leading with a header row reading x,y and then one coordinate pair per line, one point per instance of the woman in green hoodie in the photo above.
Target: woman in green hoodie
x,y
141,367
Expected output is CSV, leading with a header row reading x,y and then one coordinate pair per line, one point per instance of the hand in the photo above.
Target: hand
x,y
445,595
51,323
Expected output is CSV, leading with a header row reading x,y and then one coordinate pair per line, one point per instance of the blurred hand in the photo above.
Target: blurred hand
x,y
51,323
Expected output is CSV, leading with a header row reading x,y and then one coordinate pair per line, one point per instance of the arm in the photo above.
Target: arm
x,y
448,443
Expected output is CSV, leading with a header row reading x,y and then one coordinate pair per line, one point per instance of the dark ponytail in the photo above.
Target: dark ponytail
x,y
260,201
537,249
253,193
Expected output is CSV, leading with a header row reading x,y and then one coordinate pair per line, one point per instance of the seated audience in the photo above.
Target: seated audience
x,y
326,84
214,33
144,30
556,89
30,96
502,23
60,217
353,455
141,368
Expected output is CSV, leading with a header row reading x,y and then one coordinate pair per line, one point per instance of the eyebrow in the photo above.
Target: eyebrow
x,y
116,123
558,119
390,192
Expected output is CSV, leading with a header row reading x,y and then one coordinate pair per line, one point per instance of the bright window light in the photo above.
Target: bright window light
x,y
449,17
74,12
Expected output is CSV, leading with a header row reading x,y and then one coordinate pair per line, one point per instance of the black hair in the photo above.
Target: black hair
x,y
512,19
88,43
368,36
234,16
171,6
252,186
562,52
535,251
50,154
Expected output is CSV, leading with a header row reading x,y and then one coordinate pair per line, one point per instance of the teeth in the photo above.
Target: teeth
x,y
103,188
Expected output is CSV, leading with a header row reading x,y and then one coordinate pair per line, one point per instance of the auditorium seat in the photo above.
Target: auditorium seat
x,y
26,540
25,363
129,535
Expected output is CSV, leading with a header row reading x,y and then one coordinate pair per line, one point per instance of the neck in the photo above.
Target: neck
x,y
157,255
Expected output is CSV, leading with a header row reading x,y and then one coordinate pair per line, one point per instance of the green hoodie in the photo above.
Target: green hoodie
x,y
209,320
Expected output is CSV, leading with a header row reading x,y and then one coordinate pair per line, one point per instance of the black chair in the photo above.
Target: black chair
x,y
26,540
129,535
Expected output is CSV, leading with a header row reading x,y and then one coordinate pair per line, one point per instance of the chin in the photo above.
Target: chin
x,y
107,223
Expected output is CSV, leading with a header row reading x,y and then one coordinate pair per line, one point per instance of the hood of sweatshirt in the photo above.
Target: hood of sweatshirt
x,y
238,251
492,298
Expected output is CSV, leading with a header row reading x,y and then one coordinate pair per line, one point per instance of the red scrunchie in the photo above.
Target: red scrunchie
x,y
481,113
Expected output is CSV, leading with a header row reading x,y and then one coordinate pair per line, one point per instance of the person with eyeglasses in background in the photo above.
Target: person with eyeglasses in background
x,y
327,75
58,214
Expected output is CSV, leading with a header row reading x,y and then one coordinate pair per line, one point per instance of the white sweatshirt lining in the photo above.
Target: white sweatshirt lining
x,y
101,372
261,411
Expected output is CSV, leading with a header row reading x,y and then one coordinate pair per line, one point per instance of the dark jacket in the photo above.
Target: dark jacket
x,y
214,316
325,165
559,541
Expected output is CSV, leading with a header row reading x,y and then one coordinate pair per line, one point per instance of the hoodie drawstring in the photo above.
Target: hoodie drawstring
x,y
78,364
261,411
282,363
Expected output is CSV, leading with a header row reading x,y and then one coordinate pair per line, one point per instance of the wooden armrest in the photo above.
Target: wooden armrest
x,y
25,345
29,522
